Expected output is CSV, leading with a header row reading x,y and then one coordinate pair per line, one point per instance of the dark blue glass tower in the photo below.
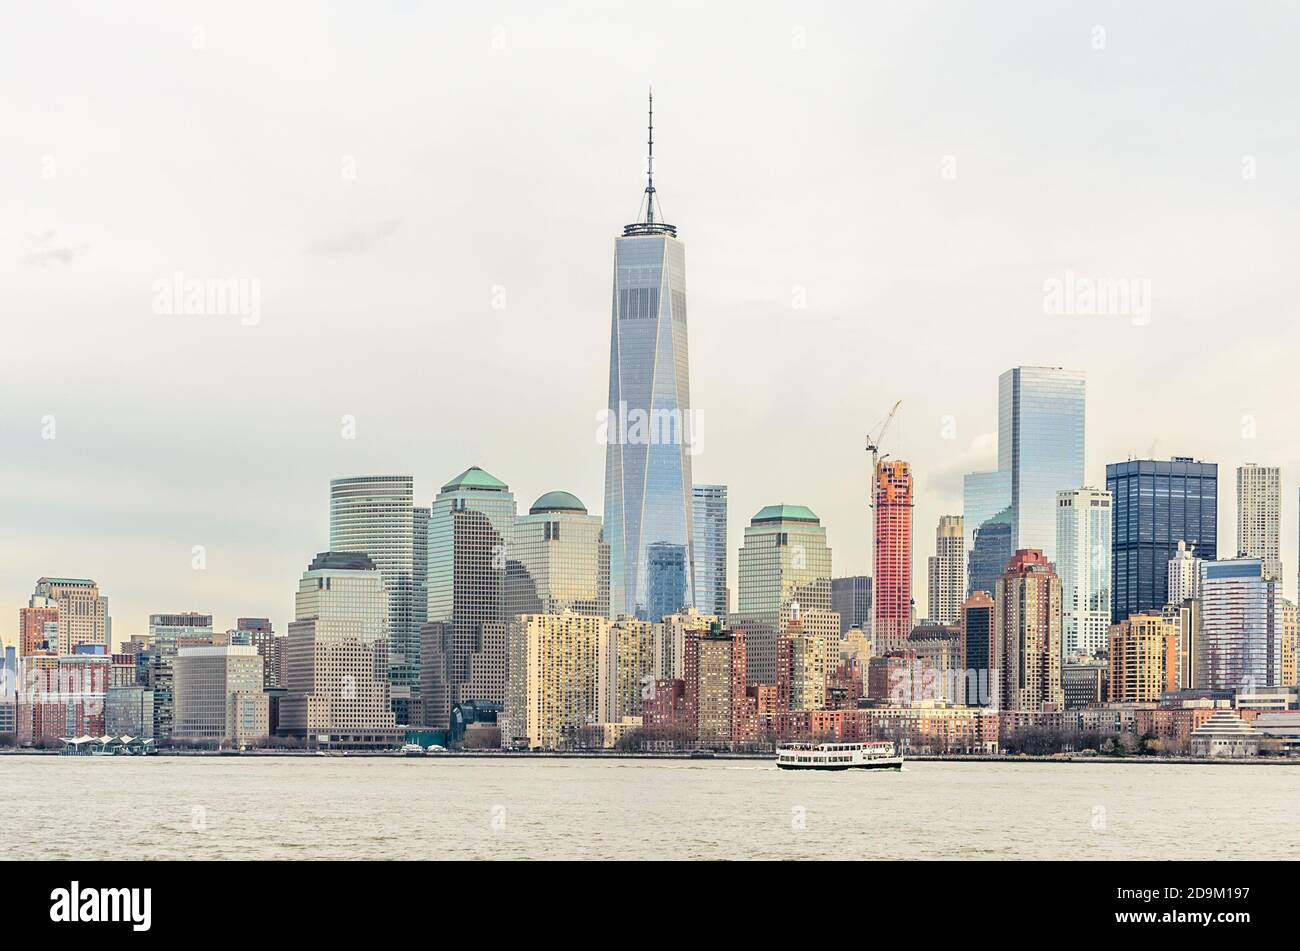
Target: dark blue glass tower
x,y
1157,504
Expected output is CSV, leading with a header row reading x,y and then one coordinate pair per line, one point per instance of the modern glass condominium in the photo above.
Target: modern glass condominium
x,y
1040,447
1156,505
711,549
1241,640
648,432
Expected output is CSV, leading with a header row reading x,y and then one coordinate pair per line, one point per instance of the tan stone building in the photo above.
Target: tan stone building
x,y
82,611
207,679
629,666
1143,659
556,696
338,656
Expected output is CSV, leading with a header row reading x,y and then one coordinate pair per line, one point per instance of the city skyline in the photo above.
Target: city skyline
x,y
147,462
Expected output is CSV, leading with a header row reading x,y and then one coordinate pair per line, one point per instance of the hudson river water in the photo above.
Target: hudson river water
x,y
451,807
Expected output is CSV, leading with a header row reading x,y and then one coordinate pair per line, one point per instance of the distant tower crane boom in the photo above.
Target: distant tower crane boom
x,y
873,443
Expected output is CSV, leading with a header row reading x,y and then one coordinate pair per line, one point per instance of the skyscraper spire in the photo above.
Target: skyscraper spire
x,y
648,224
650,165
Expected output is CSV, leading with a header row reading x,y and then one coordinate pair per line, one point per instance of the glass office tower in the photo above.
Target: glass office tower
x,y
986,499
711,549
1040,447
648,432
376,516
784,560
1083,553
1157,505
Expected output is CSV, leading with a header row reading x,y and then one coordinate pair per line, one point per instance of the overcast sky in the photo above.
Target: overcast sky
x,y
427,195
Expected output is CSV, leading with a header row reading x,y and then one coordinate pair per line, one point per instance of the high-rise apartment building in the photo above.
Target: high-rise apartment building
x,y
83,612
629,667
801,668
1241,633
471,529
671,635
851,600
38,625
711,593
978,651
1041,414
1157,505
948,571
338,691
1259,520
648,427
1290,642
375,516
1083,540
1027,635
715,693
784,570
1184,575
556,691
559,560
891,578
1143,659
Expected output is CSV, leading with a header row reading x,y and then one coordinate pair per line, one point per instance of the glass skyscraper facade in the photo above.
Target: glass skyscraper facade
x,y
648,432
559,560
1083,555
711,549
376,516
1156,505
1040,447
471,531
986,504
784,560
1241,642
851,600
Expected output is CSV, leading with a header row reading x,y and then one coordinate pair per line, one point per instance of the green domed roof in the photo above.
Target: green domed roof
x,y
558,502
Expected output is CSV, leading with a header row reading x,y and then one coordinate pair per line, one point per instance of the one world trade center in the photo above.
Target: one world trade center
x,y
649,431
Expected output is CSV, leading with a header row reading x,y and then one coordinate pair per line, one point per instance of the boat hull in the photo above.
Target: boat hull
x,y
893,763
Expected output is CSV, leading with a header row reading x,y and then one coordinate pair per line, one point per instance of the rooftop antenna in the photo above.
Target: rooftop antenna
x,y
650,165
649,226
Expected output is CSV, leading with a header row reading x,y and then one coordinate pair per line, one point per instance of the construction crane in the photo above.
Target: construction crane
x,y
873,446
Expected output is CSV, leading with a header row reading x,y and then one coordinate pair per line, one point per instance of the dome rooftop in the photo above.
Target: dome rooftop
x,y
558,502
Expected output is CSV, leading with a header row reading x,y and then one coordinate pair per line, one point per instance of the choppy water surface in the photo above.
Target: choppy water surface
x,y
446,807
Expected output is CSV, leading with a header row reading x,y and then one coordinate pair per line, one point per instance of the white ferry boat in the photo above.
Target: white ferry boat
x,y
876,754
412,749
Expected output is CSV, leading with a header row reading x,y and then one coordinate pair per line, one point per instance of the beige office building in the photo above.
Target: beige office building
x,y
337,666
83,612
206,680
